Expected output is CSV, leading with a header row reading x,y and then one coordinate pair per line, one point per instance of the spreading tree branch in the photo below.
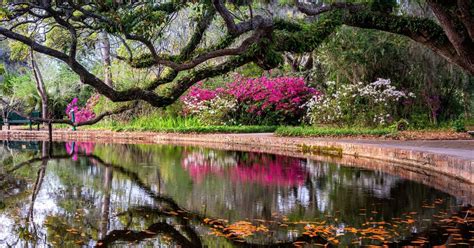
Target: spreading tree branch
x,y
443,39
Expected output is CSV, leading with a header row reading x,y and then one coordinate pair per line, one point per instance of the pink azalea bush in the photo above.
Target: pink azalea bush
x,y
82,114
252,100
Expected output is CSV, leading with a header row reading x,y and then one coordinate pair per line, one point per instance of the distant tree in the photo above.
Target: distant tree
x,y
20,52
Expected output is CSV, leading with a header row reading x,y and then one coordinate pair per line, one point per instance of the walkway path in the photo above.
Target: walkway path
x,y
459,148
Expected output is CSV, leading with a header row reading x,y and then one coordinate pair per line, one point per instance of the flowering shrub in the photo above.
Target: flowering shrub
x,y
327,108
210,107
370,104
251,100
82,114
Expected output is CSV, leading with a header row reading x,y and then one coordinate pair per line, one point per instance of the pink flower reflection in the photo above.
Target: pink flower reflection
x,y
75,148
258,168
200,165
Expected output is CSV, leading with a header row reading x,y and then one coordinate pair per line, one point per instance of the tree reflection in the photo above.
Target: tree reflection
x,y
31,225
93,210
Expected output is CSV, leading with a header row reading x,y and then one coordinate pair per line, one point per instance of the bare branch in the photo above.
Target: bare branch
x,y
198,34
34,45
91,121
257,22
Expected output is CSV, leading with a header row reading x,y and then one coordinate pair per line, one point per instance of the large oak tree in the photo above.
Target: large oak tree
x,y
250,35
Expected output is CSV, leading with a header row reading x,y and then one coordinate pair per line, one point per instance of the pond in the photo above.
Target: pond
x,y
111,195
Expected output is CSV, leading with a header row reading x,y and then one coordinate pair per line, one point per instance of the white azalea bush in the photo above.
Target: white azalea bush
x,y
327,108
215,111
366,104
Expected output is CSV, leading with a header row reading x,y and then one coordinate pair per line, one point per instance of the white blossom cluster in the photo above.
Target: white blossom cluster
x,y
382,91
212,110
324,109
373,101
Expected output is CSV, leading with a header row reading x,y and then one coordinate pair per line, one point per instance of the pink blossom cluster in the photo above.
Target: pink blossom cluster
x,y
197,94
260,96
280,94
81,114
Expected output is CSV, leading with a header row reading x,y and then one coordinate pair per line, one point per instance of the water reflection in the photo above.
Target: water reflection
x,y
75,148
257,168
21,145
110,195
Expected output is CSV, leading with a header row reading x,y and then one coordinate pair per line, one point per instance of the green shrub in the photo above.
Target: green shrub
x,y
459,125
402,125
330,131
420,121
219,129
2,69
158,123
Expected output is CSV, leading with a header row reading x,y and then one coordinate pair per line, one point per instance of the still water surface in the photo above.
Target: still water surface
x,y
110,195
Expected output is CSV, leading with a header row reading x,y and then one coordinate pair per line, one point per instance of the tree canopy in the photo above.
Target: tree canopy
x,y
144,35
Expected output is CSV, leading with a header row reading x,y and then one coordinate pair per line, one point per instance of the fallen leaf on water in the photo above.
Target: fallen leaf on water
x,y
149,232
299,242
409,221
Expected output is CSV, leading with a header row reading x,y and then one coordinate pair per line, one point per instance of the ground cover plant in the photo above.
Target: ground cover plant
x,y
332,131
176,125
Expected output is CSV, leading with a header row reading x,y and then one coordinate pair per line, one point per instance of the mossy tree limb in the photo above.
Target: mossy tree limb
x,y
452,38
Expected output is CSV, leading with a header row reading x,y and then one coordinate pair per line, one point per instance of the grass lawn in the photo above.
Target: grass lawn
x,y
191,125
331,131
202,129
174,125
